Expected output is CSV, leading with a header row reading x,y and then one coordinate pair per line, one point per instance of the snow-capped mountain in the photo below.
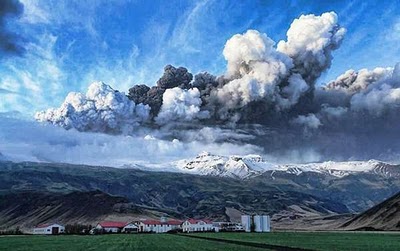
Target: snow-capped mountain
x,y
254,165
232,166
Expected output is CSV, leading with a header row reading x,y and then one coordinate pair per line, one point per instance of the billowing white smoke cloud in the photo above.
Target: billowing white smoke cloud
x,y
180,105
293,91
352,81
310,121
376,91
102,109
256,71
377,100
256,67
253,53
279,75
310,42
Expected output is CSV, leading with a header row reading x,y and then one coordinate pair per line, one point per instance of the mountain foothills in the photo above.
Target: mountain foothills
x,y
37,192
384,216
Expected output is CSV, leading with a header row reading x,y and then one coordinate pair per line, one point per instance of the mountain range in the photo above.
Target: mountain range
x,y
242,167
209,186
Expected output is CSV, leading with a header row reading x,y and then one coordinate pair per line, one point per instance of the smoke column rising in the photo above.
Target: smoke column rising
x,y
268,93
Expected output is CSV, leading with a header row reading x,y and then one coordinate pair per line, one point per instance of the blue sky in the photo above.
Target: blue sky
x,y
69,44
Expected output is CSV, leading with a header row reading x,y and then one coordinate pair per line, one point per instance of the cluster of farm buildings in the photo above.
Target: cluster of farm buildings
x,y
257,223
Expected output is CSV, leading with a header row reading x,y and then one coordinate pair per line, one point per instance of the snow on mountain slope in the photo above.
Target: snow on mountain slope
x,y
253,165
233,166
338,169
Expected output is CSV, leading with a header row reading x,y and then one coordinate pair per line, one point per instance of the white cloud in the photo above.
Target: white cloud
x,y
184,35
34,13
52,144
180,105
308,121
38,77
101,109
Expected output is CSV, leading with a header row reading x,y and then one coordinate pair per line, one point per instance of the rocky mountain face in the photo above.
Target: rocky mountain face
x,y
27,209
384,216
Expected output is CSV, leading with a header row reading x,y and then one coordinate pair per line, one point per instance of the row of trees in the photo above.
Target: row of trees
x,y
13,231
69,229
78,228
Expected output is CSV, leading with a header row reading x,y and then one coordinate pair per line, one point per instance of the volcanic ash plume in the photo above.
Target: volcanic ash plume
x,y
310,42
255,67
376,92
102,109
266,87
259,77
180,105
172,78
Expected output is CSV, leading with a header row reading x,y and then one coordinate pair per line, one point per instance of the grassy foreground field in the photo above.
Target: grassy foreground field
x,y
118,242
305,240
351,241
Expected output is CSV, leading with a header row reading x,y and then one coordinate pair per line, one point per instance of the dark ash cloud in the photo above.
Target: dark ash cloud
x,y
11,43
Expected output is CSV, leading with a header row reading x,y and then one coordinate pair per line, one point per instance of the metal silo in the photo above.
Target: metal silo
x,y
258,223
246,223
266,223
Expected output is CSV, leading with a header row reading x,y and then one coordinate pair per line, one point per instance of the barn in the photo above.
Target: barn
x,y
192,225
49,229
111,226
156,226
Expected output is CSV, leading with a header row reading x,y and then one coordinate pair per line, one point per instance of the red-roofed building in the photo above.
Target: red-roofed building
x,y
195,225
175,222
111,226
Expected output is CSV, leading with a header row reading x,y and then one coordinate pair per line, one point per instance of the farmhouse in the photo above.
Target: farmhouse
x,y
130,228
49,229
192,225
156,226
111,226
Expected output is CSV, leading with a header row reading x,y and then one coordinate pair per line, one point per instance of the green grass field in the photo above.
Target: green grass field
x,y
319,240
307,240
118,242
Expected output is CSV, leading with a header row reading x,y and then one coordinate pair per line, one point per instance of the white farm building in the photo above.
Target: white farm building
x,y
140,226
155,226
192,225
111,226
49,229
